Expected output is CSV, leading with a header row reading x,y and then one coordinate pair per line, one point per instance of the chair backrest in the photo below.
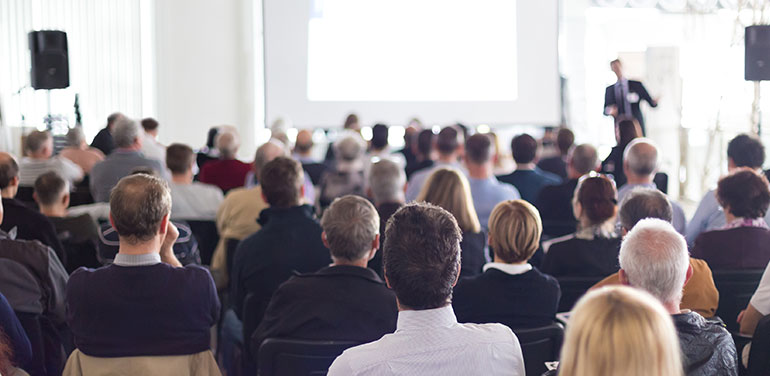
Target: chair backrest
x,y
735,290
25,194
759,355
661,181
282,356
540,345
45,339
230,246
208,237
200,364
572,288
253,311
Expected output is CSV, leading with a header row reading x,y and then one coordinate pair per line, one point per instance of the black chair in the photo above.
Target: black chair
x,y
572,288
759,355
231,245
315,171
24,194
735,290
540,345
661,181
208,237
295,357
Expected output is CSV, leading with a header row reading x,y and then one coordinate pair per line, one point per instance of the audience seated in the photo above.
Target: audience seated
x,y
527,178
347,176
386,189
620,331
423,157
557,164
227,172
103,140
191,200
448,189
743,151
303,148
151,148
592,251
410,141
351,126
128,137
449,147
758,307
640,163
744,242
21,222
510,291
699,293
345,301
421,266
208,152
654,258
379,149
485,189
79,152
555,201
15,349
626,130
40,159
145,303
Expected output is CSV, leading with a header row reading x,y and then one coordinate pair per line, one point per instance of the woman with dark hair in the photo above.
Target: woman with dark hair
x,y
209,152
592,251
625,131
744,243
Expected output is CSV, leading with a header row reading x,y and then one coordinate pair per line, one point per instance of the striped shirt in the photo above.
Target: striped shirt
x,y
30,169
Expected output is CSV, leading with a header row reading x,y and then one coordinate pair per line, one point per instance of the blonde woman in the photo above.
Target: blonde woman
x,y
449,189
510,291
620,331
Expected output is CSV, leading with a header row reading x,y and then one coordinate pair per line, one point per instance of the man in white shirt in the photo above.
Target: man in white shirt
x,y
151,148
39,160
422,263
190,200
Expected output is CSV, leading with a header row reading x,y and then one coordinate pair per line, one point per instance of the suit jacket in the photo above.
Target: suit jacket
x,y
556,165
472,257
735,248
575,257
613,165
634,87
555,205
530,182
341,302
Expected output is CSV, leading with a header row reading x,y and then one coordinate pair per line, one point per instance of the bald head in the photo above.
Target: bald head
x,y
641,158
9,173
304,142
267,152
227,143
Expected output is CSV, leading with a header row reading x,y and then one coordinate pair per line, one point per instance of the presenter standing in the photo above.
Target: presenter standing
x,y
622,99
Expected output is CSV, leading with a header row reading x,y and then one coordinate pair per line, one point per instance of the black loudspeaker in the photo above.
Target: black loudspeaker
x,y
757,53
50,62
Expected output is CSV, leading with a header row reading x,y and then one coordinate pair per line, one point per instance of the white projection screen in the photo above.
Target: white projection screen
x,y
444,61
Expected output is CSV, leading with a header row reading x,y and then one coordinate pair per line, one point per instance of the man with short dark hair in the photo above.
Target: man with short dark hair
x,y
528,178
103,140
40,159
449,146
557,164
151,148
423,156
191,200
485,189
422,265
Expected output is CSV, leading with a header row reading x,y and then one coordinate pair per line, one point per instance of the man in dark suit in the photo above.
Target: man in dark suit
x,y
528,179
345,301
622,99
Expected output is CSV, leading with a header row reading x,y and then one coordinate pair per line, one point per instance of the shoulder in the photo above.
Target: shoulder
x,y
490,333
557,244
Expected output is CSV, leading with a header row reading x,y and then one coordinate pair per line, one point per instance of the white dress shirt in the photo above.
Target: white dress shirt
x,y
431,342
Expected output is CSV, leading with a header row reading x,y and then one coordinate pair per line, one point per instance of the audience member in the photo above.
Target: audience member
x,y
528,178
640,163
654,258
424,148
625,131
743,151
21,222
592,251
345,301
449,147
227,172
208,152
151,148
699,293
79,152
127,156
190,200
380,149
103,140
422,264
347,176
497,294
557,164
410,138
40,159
145,303
620,331
303,148
555,201
758,307
486,190
15,348
351,126
743,242
252,181
387,183
448,189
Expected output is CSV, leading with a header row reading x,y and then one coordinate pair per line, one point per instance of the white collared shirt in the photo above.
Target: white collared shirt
x,y
431,342
509,268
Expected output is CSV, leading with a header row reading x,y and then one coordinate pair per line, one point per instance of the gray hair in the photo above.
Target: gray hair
x,y
270,150
227,143
125,132
36,140
351,223
641,155
643,203
584,158
654,257
139,223
349,148
387,180
75,137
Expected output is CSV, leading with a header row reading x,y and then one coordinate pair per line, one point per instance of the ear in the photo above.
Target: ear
x,y
34,197
369,192
163,225
325,240
387,282
301,191
263,196
624,232
577,209
689,273
623,277
459,269
14,181
376,242
65,200
112,221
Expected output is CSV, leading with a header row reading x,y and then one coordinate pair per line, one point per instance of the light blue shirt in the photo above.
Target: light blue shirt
x,y
419,178
487,193
678,221
709,216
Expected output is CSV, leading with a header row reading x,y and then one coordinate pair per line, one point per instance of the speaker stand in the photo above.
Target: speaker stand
x,y
756,111
48,118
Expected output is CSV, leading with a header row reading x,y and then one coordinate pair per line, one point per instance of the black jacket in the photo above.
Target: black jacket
x,y
637,92
613,165
31,225
555,205
472,257
707,347
103,141
582,258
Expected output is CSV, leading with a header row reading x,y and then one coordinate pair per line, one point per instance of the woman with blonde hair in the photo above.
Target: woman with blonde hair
x,y
619,330
449,189
510,291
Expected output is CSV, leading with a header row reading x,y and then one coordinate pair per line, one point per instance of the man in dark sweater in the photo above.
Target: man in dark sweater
x,y
103,140
345,301
145,303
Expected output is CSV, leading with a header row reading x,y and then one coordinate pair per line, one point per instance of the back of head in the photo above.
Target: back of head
x,y
641,155
113,118
387,180
425,142
744,193
514,231
524,148
37,141
379,136
421,255
449,189
9,169
137,223
149,124
584,159
304,142
448,140
628,130
478,149
351,122
50,187
746,151
564,140
350,223
75,137
598,198
267,152
620,331
281,180
643,203
211,137
227,143
125,132
179,158
349,148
